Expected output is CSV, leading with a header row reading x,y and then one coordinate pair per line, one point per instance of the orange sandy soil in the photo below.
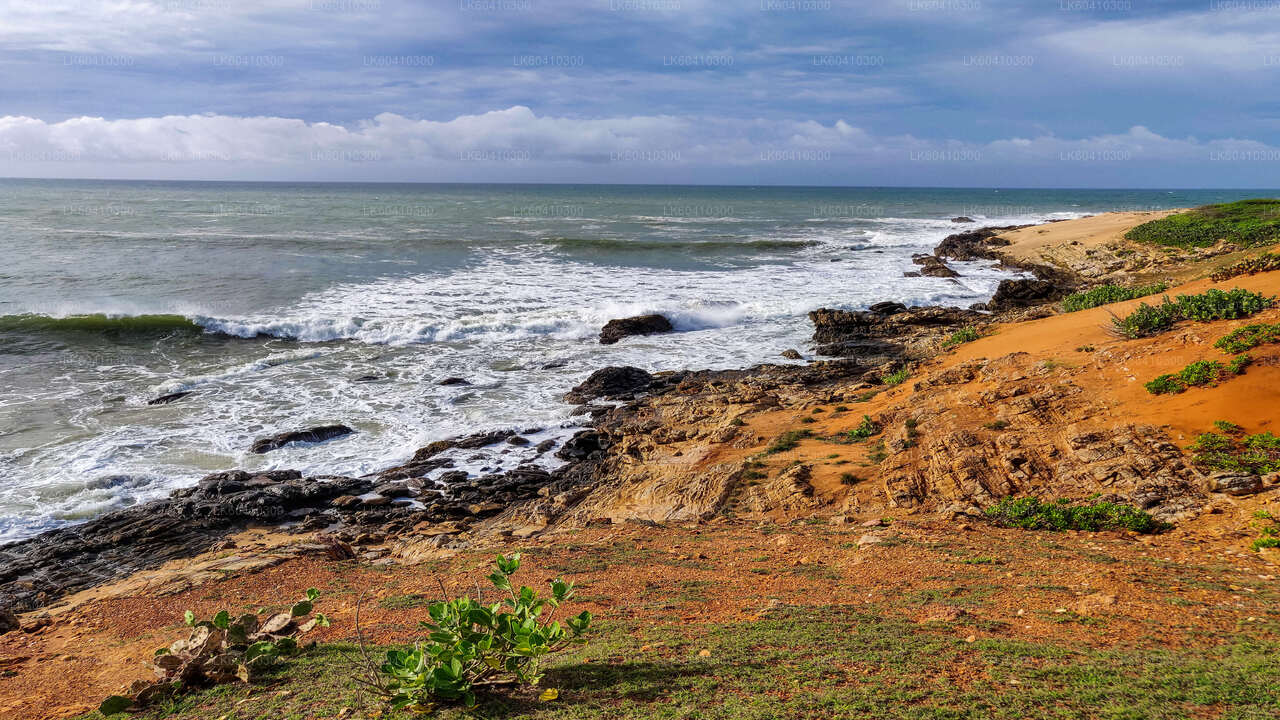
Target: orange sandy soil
x,y
1023,586
1172,589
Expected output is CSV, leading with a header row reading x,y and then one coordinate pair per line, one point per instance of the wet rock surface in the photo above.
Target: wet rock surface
x,y
310,435
608,383
615,330
898,333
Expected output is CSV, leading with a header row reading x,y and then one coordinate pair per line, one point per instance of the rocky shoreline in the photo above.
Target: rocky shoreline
x,y
400,502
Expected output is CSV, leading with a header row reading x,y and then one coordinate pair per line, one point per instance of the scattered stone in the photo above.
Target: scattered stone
x,y
870,539
1092,604
943,613
615,330
312,435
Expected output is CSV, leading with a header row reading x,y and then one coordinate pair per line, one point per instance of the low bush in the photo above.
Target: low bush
x,y
1198,374
1031,513
865,429
1269,527
1206,307
896,378
1248,338
471,644
221,650
1107,294
1247,222
787,441
1266,262
960,337
1237,452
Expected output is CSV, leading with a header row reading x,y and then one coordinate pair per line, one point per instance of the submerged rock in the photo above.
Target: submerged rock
x,y
609,382
315,434
791,354
454,381
615,330
962,219
171,397
932,266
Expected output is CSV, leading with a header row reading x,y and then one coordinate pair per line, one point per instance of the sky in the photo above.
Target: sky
x,y
1038,93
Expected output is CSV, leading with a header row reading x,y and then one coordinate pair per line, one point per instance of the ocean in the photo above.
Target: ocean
x,y
283,306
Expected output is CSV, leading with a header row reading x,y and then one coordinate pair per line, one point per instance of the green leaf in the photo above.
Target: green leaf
x,y
222,620
312,594
189,617
301,608
115,704
548,695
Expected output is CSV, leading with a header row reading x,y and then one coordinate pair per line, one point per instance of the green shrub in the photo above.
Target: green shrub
x,y
959,337
469,643
1198,373
808,419
1238,363
1210,305
1270,529
1229,428
1107,294
1167,384
896,378
1257,454
1031,513
865,429
1247,222
1248,338
786,441
1266,262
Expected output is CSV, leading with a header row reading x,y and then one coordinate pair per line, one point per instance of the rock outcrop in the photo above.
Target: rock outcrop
x,y
615,330
877,337
310,435
609,383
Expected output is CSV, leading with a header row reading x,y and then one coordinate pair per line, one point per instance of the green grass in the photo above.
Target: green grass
x,y
1208,306
814,662
1248,338
787,441
1270,529
1107,294
1247,222
959,337
865,429
1031,513
895,378
1237,452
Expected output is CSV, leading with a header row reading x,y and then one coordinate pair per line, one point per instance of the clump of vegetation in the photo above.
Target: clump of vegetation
x,y
896,378
221,650
787,441
1247,222
1086,348
1270,529
996,425
867,396
1207,306
1234,451
737,422
865,429
1230,428
1266,262
842,408
877,453
1107,294
808,419
1248,338
473,645
961,336
848,478
1198,373
1031,513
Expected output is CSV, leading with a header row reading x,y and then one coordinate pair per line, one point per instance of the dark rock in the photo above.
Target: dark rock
x,y
609,382
315,434
454,381
1025,292
792,354
888,308
166,399
545,445
977,244
8,621
1235,483
583,444
615,330
453,477
931,266
878,337
517,440
554,364
962,219
367,378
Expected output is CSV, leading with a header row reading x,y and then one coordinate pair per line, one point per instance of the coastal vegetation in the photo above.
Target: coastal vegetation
x,y
1266,262
1031,513
1231,449
1197,374
1207,306
897,377
1248,338
1246,222
1107,294
961,336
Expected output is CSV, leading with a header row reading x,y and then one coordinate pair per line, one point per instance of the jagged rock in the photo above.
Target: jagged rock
x,y
975,244
881,337
1025,292
8,621
962,219
615,330
888,308
454,381
582,445
932,266
315,434
1235,483
792,354
171,397
609,382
